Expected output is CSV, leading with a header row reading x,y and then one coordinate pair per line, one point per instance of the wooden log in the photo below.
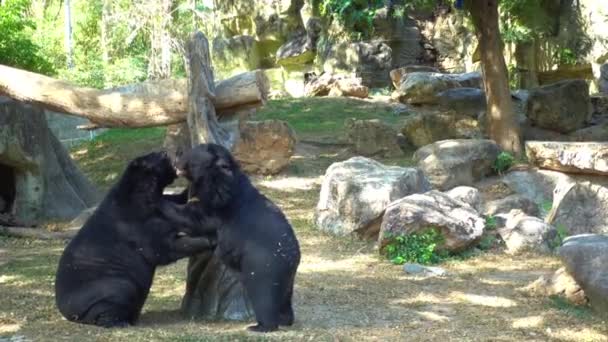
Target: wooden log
x,y
157,103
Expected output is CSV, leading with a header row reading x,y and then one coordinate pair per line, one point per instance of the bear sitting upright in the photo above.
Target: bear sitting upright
x,y
106,271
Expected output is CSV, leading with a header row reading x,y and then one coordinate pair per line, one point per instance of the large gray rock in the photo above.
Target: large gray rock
x,y
466,194
372,138
526,233
597,132
580,206
398,74
505,205
586,259
450,163
534,184
573,157
355,193
426,128
459,223
464,101
297,51
563,106
603,80
264,147
235,54
423,87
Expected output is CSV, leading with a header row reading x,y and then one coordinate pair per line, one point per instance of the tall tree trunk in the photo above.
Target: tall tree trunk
x,y
69,51
502,123
159,66
212,289
106,12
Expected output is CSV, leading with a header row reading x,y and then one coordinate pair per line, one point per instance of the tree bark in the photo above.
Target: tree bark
x,y
212,289
156,103
502,123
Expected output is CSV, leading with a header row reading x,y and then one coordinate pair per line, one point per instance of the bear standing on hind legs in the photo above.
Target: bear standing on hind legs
x,y
106,271
254,237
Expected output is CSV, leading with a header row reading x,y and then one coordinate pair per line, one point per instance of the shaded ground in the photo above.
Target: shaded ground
x,y
344,291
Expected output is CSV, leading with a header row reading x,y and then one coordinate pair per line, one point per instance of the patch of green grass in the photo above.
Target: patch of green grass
x,y
578,311
560,236
491,223
420,247
105,157
323,116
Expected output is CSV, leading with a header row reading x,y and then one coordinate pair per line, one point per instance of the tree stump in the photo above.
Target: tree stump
x,y
213,291
38,180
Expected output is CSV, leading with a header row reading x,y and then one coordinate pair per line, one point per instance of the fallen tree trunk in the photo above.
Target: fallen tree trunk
x,y
156,103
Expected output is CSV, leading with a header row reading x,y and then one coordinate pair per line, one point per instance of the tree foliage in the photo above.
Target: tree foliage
x,y
17,47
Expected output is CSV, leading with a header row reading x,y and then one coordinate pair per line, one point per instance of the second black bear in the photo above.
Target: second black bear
x,y
254,237
106,271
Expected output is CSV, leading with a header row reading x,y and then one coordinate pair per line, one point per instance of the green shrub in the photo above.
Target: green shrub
x,y
560,236
418,247
503,162
491,223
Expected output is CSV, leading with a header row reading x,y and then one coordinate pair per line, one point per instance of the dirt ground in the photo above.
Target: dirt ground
x,y
344,290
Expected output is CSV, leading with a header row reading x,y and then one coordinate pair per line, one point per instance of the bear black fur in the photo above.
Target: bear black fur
x,y
254,237
106,271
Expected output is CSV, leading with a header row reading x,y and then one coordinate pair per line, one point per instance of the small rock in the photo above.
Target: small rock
x,y
558,283
431,271
526,233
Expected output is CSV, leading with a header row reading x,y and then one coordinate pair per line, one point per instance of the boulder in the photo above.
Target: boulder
x,y
426,128
505,205
562,107
334,85
349,87
235,54
597,132
526,233
450,163
460,225
534,184
572,157
370,60
355,192
264,147
398,74
296,51
423,87
372,138
558,283
464,101
466,194
586,259
580,206
603,80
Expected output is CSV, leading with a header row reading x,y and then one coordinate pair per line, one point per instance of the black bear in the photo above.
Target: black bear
x,y
106,271
253,236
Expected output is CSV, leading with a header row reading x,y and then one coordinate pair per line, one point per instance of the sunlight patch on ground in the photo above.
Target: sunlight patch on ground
x,y
9,328
483,300
432,316
423,298
528,322
290,184
4,279
315,264
571,334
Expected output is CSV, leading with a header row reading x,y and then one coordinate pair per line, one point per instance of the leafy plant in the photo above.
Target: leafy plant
x,y
491,223
356,16
503,162
566,56
420,247
486,242
560,236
